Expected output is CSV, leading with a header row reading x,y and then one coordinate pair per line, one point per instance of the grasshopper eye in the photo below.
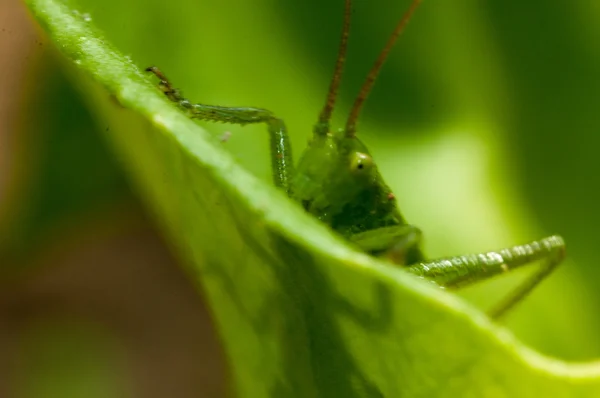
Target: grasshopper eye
x,y
361,162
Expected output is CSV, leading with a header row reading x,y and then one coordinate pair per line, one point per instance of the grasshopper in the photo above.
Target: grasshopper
x,y
337,181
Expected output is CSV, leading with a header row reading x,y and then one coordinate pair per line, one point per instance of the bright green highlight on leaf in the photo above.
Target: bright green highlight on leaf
x,y
300,313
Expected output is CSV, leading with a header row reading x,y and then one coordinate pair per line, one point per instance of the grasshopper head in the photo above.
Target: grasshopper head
x,y
338,182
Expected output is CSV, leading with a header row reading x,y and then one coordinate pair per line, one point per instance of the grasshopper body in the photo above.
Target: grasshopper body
x,y
337,181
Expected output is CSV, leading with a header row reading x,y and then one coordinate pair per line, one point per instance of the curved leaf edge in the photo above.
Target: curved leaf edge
x,y
84,45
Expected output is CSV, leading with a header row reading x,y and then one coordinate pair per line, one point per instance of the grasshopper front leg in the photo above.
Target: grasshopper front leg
x,y
400,245
281,149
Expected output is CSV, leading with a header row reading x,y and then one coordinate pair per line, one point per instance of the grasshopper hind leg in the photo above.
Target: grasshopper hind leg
x,y
459,271
401,245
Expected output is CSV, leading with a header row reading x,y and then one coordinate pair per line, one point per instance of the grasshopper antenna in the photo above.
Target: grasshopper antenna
x,y
322,127
372,76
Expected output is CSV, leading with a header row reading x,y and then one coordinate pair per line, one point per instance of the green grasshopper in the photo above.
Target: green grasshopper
x,y
337,181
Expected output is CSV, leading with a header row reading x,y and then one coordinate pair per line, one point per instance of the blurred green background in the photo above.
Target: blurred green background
x,y
483,122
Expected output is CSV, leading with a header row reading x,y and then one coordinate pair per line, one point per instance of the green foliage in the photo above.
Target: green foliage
x,y
300,313
56,192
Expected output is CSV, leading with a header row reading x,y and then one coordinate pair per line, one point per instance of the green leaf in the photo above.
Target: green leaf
x,y
299,312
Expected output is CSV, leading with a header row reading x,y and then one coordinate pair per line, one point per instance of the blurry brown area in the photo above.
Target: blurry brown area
x,y
106,285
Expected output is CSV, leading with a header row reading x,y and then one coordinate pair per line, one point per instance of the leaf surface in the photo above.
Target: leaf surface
x,y
299,312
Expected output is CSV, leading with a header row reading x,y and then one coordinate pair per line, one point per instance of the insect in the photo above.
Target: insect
x,y
337,181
